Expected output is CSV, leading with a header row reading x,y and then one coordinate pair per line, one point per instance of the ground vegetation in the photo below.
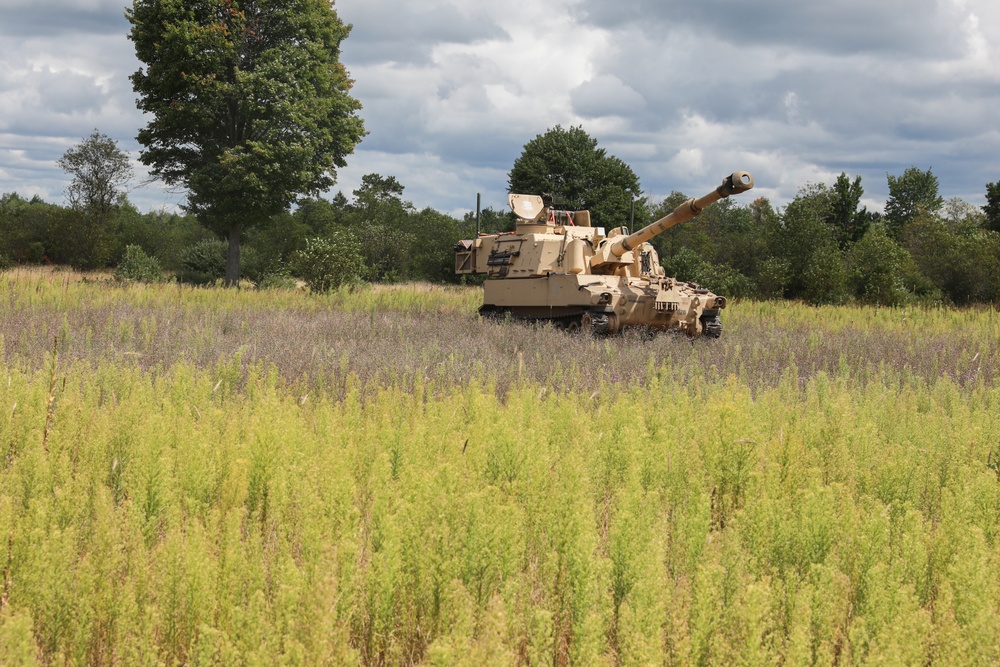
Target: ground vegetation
x,y
376,476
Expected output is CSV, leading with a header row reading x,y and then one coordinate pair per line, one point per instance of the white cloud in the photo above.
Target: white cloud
x,y
684,92
606,95
430,180
889,27
687,162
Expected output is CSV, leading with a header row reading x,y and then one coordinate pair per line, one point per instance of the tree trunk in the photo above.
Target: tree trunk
x,y
233,257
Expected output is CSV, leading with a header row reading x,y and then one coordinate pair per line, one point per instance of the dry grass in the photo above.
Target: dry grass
x,y
390,334
56,274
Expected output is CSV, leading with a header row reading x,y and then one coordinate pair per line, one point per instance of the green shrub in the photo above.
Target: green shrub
x,y
204,262
876,269
685,264
724,279
772,278
35,253
276,281
138,267
327,263
824,280
163,235
259,267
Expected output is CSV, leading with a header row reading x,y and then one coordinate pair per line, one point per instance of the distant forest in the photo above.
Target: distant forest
x,y
822,247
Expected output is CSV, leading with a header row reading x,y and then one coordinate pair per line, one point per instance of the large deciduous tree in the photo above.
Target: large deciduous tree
x,y
569,165
248,102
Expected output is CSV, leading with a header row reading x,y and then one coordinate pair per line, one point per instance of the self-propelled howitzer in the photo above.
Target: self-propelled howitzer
x,y
556,267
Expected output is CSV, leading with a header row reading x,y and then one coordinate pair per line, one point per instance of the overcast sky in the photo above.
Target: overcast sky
x,y
684,91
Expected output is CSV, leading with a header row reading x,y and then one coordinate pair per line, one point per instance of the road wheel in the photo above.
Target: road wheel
x,y
711,326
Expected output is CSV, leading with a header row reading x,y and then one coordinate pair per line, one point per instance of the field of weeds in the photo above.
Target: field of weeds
x,y
377,477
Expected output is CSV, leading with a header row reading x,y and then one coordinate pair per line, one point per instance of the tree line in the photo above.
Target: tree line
x,y
376,236
822,247
250,113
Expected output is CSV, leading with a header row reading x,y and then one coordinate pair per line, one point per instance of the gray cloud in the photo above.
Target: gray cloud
x,y
34,18
683,92
856,88
407,32
69,92
606,95
925,27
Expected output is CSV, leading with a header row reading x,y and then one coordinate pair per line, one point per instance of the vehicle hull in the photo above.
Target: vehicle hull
x,y
622,302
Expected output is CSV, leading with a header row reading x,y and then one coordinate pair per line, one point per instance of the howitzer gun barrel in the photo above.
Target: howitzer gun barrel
x,y
738,181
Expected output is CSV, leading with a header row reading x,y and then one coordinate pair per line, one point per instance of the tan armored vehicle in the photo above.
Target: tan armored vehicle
x,y
556,267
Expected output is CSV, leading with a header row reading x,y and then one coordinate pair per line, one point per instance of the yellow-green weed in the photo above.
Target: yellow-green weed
x,y
537,506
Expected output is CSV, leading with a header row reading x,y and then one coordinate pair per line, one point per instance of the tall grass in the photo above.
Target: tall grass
x,y
213,478
397,334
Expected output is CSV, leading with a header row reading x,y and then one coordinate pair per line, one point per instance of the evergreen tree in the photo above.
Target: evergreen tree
x,y
992,207
849,221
